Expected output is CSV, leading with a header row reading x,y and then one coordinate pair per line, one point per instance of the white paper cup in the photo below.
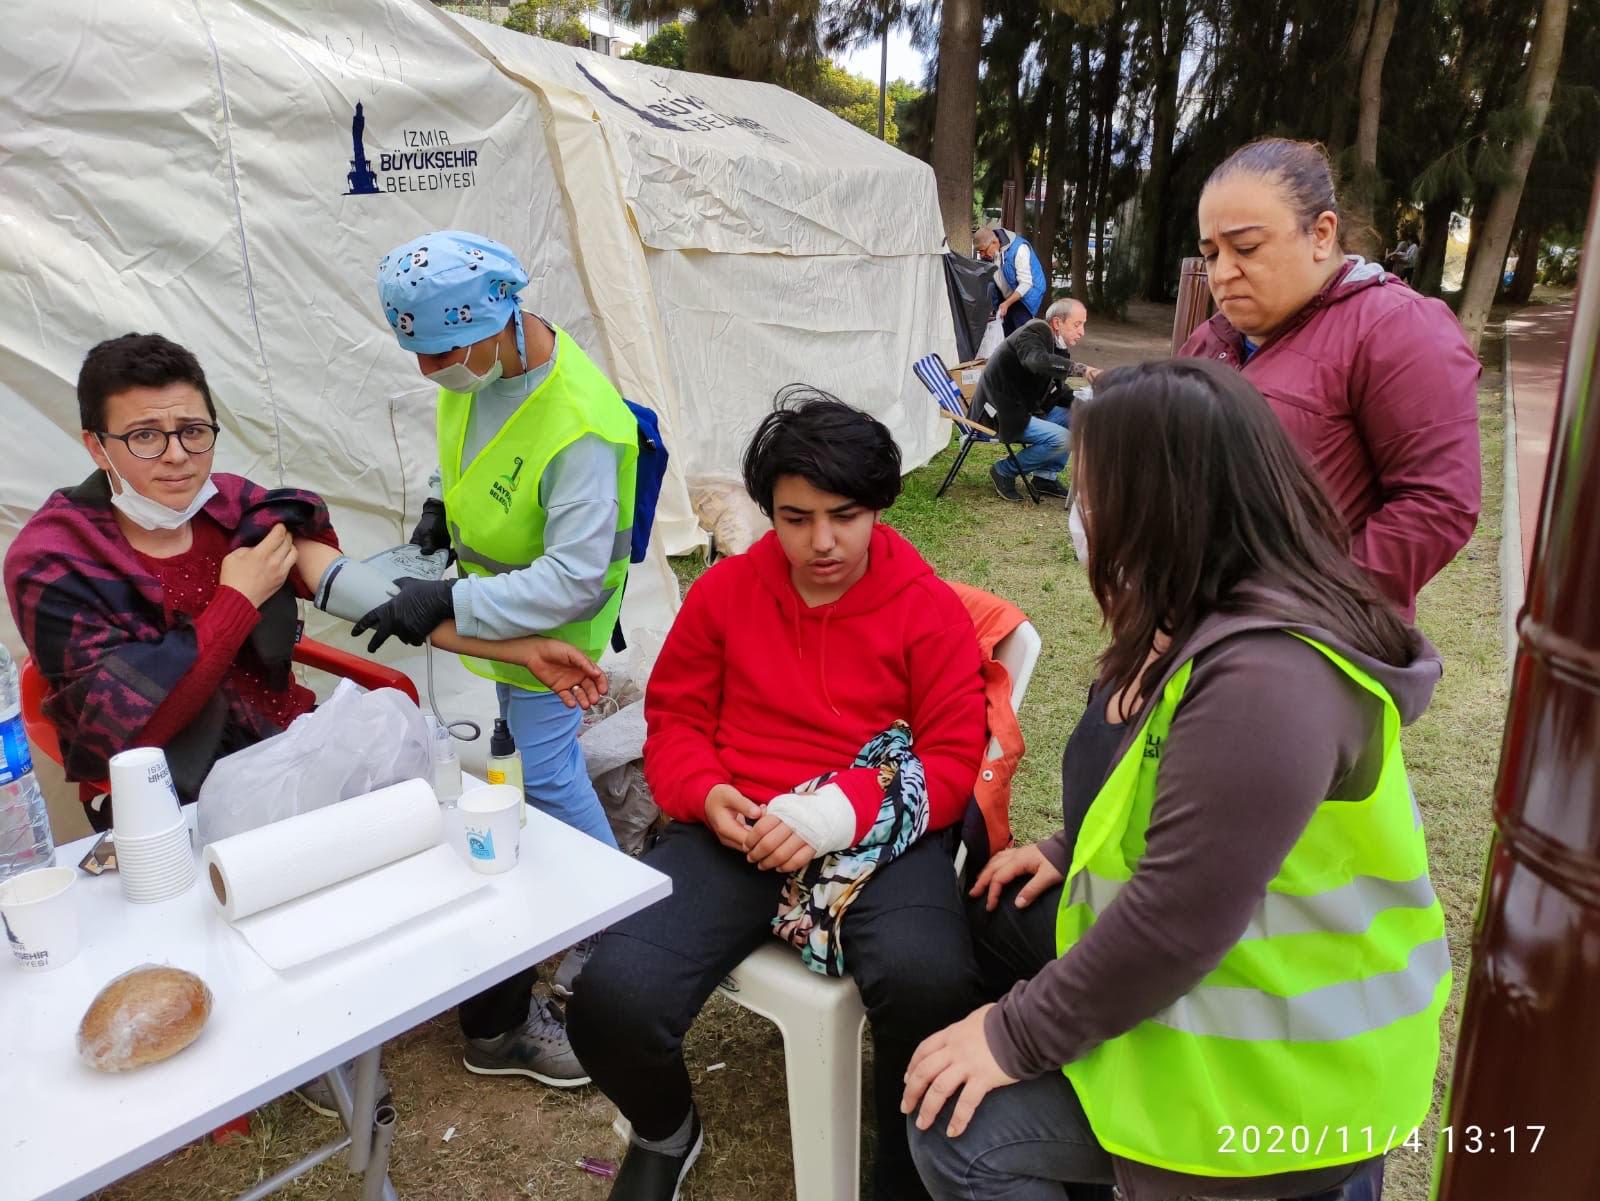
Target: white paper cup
x,y
40,910
143,799
489,822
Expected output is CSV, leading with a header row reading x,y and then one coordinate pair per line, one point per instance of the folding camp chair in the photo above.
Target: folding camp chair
x,y
935,377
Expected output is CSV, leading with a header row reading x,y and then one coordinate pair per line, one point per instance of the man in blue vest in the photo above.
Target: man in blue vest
x,y
1019,283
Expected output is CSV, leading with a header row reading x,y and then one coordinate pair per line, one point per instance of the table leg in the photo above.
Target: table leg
x,y
375,1184
361,1113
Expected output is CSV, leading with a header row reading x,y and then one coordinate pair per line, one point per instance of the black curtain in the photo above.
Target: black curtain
x,y
967,282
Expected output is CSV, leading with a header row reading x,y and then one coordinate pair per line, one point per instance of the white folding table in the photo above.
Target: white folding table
x,y
67,1130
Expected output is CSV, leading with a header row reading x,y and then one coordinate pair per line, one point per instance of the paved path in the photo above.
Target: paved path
x,y
1537,339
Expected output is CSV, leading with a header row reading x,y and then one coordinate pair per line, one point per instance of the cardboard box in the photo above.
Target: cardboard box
x,y
966,376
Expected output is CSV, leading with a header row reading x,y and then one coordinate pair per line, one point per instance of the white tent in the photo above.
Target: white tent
x,y
229,173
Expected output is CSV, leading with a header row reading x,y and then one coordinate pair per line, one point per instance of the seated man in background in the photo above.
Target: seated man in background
x,y
815,720
157,598
1023,392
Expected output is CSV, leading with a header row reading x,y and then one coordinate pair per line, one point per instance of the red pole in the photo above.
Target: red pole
x,y
1529,1052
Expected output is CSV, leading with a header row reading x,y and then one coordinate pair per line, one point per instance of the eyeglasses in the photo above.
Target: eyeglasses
x,y
196,438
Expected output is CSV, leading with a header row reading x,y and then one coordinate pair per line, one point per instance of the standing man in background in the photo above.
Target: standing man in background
x,y
1019,282
537,456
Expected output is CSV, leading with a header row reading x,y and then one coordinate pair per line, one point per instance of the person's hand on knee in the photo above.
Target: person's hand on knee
x,y
955,1062
1010,864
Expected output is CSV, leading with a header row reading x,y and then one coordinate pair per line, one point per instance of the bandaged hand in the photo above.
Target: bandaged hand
x,y
773,847
825,818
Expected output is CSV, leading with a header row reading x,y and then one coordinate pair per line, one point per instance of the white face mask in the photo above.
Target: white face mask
x,y
152,514
458,377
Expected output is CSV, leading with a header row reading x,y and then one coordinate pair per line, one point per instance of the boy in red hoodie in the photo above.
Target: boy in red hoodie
x,y
782,665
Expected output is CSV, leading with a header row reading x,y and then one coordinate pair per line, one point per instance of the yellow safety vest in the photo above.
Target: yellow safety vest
x,y
496,520
1314,1042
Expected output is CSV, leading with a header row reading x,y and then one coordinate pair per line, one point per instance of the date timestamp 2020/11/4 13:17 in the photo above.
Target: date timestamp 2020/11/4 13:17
x,y
1300,1140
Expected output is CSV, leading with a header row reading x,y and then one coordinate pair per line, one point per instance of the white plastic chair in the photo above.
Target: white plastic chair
x,y
821,1019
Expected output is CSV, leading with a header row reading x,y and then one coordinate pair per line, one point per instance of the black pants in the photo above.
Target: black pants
x,y
500,1008
907,947
1016,317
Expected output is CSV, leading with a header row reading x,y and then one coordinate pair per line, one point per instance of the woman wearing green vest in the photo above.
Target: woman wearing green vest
x,y
537,459
1224,977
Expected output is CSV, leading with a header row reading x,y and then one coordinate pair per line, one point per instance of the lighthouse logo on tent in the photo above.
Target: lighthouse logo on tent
x,y
429,162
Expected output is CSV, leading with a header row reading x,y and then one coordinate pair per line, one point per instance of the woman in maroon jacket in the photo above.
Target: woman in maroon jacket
x,y
1375,384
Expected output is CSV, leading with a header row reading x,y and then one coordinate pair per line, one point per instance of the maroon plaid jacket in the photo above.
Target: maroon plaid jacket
x,y
91,616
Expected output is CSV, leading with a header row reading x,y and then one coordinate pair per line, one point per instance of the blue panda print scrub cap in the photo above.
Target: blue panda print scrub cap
x,y
448,289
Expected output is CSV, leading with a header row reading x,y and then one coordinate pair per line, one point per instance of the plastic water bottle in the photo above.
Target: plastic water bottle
x,y
24,821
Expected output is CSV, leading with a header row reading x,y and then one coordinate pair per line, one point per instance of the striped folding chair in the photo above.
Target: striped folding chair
x,y
935,377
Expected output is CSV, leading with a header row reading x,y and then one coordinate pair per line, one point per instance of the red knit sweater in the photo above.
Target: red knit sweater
x,y
222,618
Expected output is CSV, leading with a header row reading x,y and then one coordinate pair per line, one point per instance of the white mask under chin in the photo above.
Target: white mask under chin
x,y
152,514
458,377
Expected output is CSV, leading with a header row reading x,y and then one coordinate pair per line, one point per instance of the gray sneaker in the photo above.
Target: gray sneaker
x,y
1004,485
316,1096
567,971
538,1049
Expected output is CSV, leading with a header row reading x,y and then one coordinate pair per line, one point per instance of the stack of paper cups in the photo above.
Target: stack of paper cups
x,y
154,857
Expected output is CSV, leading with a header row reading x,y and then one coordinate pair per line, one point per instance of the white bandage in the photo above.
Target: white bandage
x,y
824,818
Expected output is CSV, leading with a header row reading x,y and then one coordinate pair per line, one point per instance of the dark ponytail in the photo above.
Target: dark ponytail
x,y
1301,169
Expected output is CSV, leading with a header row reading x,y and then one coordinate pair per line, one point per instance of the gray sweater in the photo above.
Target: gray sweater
x,y
1225,817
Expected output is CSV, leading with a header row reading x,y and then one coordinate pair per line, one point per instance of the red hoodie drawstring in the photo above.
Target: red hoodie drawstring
x,y
823,667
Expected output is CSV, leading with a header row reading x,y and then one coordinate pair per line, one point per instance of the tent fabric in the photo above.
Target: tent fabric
x,y
228,173
780,244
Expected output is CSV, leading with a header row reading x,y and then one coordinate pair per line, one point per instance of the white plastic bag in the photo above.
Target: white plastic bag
x,y
353,743
1080,536
725,511
993,335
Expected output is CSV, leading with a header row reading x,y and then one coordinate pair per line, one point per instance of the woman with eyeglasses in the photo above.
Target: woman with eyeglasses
x,y
158,597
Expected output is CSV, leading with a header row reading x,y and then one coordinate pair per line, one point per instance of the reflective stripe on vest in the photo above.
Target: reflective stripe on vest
x,y
496,520
1323,1014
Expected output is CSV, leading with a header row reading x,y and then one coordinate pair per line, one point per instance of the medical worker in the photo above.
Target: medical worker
x,y
537,455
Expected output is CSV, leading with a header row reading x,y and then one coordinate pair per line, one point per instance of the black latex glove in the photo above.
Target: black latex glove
x,y
433,532
410,615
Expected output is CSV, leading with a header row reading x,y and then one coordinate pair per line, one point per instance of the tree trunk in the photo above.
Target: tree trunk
x,y
1166,56
1435,244
1361,237
1482,198
1521,290
883,76
1355,49
1106,118
1543,61
955,117
1055,175
1082,187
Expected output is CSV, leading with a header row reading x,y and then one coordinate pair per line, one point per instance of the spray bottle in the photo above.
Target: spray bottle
x,y
505,761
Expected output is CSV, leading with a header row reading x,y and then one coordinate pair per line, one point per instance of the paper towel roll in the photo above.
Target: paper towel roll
x,y
272,864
